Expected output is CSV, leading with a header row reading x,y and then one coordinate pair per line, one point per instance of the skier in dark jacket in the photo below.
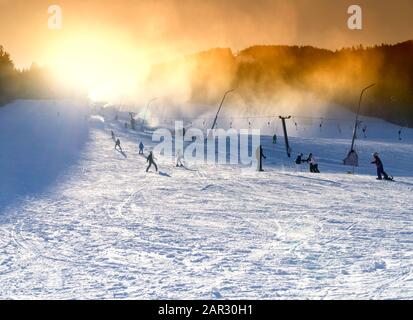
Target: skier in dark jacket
x,y
141,147
151,162
274,139
380,169
259,155
117,145
113,135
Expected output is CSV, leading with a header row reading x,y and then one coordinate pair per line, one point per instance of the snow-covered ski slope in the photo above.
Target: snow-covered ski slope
x,y
79,220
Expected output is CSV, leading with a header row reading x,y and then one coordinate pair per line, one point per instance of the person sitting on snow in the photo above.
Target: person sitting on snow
x,y
313,164
300,159
151,161
117,145
380,168
141,147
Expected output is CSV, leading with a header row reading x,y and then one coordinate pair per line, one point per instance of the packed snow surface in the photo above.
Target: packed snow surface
x,y
79,220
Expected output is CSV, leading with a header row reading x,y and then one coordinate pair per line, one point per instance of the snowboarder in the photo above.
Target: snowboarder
x,y
259,155
179,158
380,169
151,161
141,147
117,145
274,139
313,164
113,135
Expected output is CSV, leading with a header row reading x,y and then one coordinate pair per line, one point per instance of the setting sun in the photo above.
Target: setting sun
x,y
104,64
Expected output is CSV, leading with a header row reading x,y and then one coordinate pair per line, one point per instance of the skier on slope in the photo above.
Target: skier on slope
x,y
113,135
274,139
380,169
259,155
313,164
141,147
151,161
179,158
365,131
117,145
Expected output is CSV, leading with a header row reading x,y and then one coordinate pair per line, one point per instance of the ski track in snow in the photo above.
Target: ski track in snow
x,y
109,230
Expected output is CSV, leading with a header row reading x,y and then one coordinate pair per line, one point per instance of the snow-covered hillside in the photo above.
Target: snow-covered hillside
x,y
80,220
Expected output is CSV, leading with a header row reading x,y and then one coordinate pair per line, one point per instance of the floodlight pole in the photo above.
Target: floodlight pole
x,y
357,115
352,157
220,106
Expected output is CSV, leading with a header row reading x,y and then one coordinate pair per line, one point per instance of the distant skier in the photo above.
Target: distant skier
x,y
400,135
179,158
380,169
117,145
313,164
126,125
141,147
151,161
339,128
365,131
260,155
274,139
113,135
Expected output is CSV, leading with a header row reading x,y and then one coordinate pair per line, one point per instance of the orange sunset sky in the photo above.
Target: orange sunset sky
x,y
121,38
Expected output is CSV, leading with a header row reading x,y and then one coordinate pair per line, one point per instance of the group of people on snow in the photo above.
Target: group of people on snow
x,y
149,159
310,160
313,165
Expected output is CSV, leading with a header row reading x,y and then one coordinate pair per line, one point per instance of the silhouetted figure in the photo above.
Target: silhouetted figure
x,y
400,135
260,155
117,145
113,135
313,164
380,168
274,139
300,159
151,162
126,125
339,128
365,131
141,147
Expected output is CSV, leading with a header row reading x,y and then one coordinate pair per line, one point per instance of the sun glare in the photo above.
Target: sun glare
x,y
105,65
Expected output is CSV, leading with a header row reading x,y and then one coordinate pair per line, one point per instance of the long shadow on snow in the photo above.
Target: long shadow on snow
x,y
36,154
